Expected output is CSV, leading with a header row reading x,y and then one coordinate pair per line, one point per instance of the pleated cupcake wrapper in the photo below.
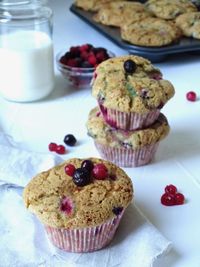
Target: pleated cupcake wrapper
x,y
128,157
128,121
86,239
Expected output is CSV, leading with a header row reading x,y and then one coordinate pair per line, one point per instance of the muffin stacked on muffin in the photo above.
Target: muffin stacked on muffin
x,y
80,202
127,126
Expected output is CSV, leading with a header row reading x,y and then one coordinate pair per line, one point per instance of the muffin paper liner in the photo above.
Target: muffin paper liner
x,y
85,239
128,157
128,120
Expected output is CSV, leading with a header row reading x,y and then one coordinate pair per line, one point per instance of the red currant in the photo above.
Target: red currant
x,y
66,205
100,171
179,199
52,147
191,96
70,169
60,149
171,189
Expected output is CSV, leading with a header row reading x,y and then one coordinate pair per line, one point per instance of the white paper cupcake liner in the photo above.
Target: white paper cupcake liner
x,y
85,239
127,157
128,120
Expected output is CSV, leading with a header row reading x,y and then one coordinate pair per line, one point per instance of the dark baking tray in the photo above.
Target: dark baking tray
x,y
155,54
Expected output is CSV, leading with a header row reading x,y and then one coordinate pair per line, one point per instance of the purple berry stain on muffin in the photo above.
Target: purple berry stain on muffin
x,y
144,93
113,177
66,205
155,75
117,210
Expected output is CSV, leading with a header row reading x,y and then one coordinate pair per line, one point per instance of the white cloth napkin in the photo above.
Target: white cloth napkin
x,y
24,243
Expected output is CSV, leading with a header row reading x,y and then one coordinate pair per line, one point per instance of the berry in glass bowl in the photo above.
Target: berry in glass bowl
x,y
79,62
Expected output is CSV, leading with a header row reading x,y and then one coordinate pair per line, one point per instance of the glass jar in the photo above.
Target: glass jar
x,y
26,50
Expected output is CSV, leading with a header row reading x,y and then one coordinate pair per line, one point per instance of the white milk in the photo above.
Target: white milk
x,y
26,65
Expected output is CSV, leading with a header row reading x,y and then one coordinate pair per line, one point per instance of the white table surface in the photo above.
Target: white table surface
x,y
35,125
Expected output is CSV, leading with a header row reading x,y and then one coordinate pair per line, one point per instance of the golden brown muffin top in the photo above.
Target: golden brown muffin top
x,y
56,199
140,91
170,9
151,32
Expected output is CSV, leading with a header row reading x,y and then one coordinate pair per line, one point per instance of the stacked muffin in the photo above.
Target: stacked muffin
x,y
127,125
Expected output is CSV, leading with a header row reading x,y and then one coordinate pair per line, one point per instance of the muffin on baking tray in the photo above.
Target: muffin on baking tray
x,y
91,5
126,148
170,9
151,32
130,92
79,202
189,23
121,13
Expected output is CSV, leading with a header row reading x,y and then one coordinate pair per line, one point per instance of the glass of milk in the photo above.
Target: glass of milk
x,y
26,50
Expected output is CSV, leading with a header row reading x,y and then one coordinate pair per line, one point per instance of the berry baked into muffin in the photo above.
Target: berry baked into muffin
x,y
130,92
80,202
126,148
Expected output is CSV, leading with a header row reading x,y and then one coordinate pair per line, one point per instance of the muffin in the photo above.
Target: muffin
x,y
189,23
91,5
151,32
120,13
130,92
80,202
126,148
170,9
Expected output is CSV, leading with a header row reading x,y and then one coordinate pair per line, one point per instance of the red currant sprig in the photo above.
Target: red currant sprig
x,y
59,149
171,197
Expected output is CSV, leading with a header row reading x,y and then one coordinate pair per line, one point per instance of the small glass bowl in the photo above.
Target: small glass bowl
x,y
77,76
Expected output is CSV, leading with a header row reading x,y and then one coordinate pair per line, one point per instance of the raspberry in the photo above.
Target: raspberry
x,y
52,146
70,169
100,171
60,149
92,60
84,55
71,62
84,47
191,96
74,50
100,56
63,60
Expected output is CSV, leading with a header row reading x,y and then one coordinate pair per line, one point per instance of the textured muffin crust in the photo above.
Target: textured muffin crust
x,y
91,5
189,23
89,205
104,134
140,92
151,32
169,9
120,13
